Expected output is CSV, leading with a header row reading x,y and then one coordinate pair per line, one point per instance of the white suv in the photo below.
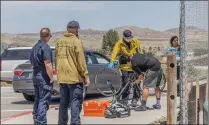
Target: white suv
x,y
12,57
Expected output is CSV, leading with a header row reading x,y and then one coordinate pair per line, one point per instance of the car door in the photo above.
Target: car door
x,y
101,62
92,68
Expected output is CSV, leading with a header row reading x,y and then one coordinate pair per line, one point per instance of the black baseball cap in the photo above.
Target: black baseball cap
x,y
127,34
73,24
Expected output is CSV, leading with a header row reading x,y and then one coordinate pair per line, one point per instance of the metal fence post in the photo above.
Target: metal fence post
x,y
183,99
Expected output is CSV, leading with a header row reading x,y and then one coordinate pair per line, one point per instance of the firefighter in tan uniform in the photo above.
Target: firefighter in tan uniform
x,y
72,74
127,46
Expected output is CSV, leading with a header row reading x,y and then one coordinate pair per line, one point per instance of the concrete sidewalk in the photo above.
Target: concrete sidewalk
x,y
135,118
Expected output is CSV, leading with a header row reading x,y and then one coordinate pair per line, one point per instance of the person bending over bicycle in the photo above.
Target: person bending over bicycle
x,y
152,77
126,46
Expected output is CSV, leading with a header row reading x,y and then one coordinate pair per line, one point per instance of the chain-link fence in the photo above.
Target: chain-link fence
x,y
193,37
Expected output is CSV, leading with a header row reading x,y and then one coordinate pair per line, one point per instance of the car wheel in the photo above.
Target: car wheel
x,y
29,97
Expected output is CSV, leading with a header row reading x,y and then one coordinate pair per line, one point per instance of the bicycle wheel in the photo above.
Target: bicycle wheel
x,y
106,74
152,90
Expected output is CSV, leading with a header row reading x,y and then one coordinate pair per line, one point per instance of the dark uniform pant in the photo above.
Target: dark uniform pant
x,y
43,92
70,94
125,75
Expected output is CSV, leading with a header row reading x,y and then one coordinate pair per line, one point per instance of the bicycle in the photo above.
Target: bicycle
x,y
139,87
130,86
130,80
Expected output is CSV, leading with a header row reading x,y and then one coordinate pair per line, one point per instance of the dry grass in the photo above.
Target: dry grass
x,y
161,120
92,44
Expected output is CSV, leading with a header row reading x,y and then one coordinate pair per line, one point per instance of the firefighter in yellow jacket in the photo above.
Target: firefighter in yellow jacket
x,y
127,46
72,74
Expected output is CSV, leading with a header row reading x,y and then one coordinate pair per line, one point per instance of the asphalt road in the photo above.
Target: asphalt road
x,y
14,103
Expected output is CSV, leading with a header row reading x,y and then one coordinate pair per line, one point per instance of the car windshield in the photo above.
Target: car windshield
x,y
18,54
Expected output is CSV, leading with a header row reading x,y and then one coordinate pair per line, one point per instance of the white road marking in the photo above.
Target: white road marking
x,y
23,110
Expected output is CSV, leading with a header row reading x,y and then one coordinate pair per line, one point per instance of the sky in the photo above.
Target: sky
x,y
31,16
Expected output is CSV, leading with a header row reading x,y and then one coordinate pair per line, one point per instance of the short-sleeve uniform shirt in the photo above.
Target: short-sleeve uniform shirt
x,y
40,52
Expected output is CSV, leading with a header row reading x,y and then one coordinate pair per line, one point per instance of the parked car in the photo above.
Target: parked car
x,y
10,58
22,80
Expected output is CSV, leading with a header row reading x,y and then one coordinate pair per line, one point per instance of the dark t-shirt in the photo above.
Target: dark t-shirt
x,y
40,52
141,63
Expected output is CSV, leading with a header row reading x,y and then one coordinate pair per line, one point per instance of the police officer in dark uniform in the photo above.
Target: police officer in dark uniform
x,y
41,61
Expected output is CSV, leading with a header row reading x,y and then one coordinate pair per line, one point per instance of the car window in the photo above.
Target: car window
x,y
19,54
101,59
88,59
